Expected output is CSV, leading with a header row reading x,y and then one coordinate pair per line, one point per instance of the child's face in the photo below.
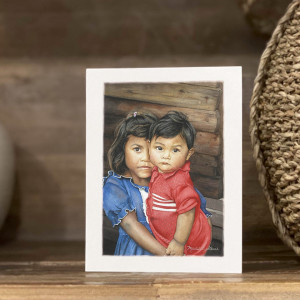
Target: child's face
x,y
137,159
169,154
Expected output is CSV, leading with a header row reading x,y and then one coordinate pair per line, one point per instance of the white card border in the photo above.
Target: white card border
x,y
231,261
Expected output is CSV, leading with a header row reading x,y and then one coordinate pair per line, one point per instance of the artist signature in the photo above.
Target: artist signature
x,y
199,249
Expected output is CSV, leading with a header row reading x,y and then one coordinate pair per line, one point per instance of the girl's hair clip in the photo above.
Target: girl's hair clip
x,y
134,114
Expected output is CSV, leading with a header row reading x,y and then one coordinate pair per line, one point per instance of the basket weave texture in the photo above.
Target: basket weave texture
x,y
275,125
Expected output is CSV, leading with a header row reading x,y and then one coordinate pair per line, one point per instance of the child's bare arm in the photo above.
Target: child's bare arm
x,y
184,226
139,233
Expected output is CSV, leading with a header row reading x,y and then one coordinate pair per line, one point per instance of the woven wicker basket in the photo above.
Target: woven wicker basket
x,y
275,125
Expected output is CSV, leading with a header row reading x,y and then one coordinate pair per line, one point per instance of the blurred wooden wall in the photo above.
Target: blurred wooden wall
x,y
68,28
202,103
45,48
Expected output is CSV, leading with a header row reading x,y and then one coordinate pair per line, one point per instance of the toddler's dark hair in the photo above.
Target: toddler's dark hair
x,y
136,124
172,124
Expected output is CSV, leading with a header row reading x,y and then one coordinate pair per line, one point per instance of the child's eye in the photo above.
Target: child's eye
x,y
158,148
176,150
137,149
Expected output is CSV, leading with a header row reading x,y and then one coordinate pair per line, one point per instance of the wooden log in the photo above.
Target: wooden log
x,y
204,160
211,187
208,143
205,170
204,164
106,167
221,133
217,233
217,218
202,120
215,204
172,94
216,85
109,232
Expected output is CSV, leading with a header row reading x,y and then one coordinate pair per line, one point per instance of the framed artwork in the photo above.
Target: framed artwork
x,y
162,198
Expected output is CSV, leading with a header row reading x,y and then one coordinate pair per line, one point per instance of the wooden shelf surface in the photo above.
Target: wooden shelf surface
x,y
55,270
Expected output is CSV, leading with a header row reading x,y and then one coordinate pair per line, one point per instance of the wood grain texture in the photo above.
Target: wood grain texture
x,y
205,160
45,117
113,28
208,143
35,270
217,218
117,108
218,232
192,290
215,204
211,187
202,97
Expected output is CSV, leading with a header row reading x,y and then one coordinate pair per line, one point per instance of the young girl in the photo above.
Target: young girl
x,y
126,187
173,206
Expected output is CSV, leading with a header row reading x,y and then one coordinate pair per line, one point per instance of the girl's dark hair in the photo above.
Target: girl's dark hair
x,y
172,124
136,124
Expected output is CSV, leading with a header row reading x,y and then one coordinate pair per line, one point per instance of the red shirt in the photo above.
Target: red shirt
x,y
171,194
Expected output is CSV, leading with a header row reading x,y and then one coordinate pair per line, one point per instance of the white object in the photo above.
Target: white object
x,y
231,261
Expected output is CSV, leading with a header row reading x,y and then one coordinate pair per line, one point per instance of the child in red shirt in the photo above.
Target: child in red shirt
x,y
173,205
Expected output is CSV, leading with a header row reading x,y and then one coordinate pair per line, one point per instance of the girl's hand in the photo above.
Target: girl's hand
x,y
175,248
140,234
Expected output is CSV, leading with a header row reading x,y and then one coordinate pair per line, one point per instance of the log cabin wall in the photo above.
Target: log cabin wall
x,y
202,103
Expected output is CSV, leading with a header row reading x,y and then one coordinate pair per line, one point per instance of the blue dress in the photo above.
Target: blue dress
x,y
121,196
203,204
